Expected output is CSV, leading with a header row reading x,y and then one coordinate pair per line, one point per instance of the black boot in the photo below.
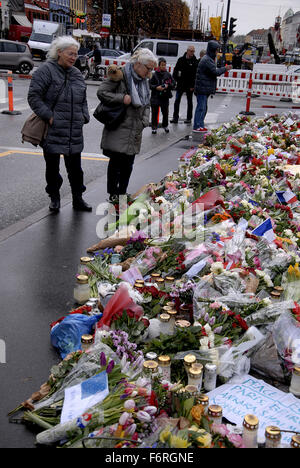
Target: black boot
x,y
55,204
80,205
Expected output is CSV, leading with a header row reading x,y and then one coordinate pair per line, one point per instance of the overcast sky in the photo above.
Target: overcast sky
x,y
250,15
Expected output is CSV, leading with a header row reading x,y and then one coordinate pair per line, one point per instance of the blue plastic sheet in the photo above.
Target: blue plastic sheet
x,y
66,336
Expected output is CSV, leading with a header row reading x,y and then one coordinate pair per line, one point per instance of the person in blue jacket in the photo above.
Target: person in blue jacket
x,y
206,82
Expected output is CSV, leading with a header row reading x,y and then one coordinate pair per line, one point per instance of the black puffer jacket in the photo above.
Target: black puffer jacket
x,y
185,72
51,82
161,78
207,72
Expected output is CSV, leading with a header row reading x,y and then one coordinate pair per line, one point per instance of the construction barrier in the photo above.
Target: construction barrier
x,y
10,111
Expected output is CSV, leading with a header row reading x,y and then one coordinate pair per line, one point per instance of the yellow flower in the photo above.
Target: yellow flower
x,y
164,435
178,442
291,270
204,439
270,151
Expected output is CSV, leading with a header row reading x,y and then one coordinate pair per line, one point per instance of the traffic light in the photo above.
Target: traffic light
x,y
224,29
232,26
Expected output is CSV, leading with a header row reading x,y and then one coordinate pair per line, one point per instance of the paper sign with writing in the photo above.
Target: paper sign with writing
x,y
252,396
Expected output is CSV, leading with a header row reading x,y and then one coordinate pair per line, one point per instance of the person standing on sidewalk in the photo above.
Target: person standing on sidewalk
x,y
184,75
57,94
161,85
129,86
206,82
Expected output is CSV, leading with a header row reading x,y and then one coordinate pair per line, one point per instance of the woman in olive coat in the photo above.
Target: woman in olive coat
x,y
129,86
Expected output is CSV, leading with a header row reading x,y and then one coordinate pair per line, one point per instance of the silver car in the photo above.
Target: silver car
x,y
15,56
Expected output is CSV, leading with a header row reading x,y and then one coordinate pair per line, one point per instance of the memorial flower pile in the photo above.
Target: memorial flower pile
x,y
222,234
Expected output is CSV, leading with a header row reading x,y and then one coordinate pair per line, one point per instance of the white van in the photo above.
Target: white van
x,y
171,50
43,33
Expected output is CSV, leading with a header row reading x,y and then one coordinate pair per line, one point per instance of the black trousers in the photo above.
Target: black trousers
x,y
54,179
165,113
189,96
118,172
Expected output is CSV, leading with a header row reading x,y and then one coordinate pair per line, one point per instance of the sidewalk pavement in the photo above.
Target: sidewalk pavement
x,y
40,260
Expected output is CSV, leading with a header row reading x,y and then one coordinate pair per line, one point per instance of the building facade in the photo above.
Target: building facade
x,y
290,30
37,9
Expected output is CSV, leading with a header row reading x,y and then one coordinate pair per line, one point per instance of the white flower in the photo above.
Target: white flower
x,y
217,268
266,301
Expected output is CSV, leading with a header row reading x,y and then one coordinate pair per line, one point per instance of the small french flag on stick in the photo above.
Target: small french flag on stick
x,y
265,230
287,197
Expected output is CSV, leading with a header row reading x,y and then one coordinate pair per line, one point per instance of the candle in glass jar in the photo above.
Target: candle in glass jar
x,y
195,377
204,401
165,324
250,429
295,382
86,342
295,441
273,437
215,414
83,266
164,363
82,289
188,360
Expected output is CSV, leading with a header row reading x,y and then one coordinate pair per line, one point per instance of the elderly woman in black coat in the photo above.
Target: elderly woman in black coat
x,y
57,94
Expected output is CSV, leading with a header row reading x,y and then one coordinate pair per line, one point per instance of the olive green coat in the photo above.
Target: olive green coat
x,y
127,138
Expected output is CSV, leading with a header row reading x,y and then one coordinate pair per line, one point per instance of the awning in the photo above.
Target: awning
x,y
22,20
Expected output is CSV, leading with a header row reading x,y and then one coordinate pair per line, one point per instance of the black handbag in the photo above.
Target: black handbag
x,y
110,116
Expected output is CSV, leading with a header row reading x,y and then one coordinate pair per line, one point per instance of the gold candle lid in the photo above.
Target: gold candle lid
x,y
82,279
171,304
295,441
155,275
160,280
182,323
297,370
189,359
139,281
87,339
167,308
203,399
191,389
250,422
150,365
197,365
85,260
164,360
278,288
138,285
215,411
164,317
275,294
172,312
273,433
170,279
194,373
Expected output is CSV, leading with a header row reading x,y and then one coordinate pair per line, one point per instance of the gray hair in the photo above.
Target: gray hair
x,y
61,43
143,56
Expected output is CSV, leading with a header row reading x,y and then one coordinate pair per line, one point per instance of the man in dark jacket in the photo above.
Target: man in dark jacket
x,y
184,75
206,82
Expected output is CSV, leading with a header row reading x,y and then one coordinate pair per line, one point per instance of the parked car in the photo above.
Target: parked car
x,y
15,56
85,63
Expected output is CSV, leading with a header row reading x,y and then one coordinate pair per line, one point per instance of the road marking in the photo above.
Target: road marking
x,y
87,157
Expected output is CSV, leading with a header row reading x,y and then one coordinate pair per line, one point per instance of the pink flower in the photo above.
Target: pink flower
x,y
143,416
124,418
129,404
220,429
236,440
215,305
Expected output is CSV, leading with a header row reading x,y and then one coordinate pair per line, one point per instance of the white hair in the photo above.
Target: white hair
x,y
61,43
143,56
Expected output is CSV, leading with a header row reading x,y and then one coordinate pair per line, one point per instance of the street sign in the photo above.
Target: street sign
x,y
106,20
104,32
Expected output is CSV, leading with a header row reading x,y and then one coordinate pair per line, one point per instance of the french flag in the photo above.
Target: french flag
x,y
265,230
287,197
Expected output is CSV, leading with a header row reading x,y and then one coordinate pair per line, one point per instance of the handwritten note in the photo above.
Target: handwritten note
x,y
252,396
